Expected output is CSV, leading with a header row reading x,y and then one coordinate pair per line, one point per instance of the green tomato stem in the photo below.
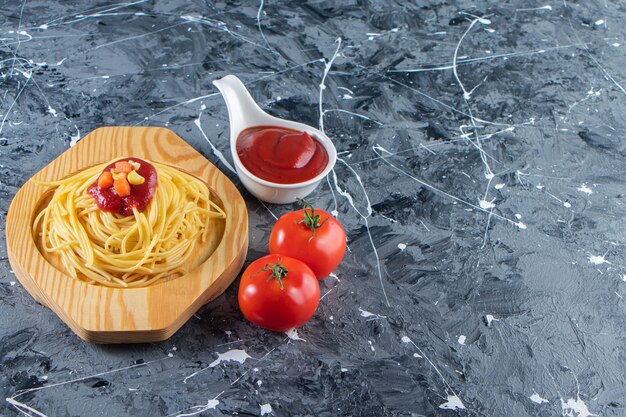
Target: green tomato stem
x,y
310,219
279,272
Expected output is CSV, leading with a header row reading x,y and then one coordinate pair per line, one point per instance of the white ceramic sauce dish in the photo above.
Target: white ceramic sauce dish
x,y
244,113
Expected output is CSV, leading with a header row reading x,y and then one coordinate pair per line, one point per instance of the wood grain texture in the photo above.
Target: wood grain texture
x,y
111,315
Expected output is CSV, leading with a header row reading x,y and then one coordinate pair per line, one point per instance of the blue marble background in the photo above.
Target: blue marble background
x,y
480,182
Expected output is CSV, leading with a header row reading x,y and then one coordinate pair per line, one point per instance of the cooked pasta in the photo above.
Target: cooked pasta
x,y
136,250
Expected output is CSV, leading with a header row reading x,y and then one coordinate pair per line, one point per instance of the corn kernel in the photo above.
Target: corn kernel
x,y
135,179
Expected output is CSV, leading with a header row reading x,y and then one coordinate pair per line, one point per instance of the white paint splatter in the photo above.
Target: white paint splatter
x,y
598,260
198,409
536,398
293,335
182,103
546,7
539,187
616,44
500,186
344,369
401,246
575,408
216,151
490,30
365,313
490,318
52,111
599,22
74,139
371,345
377,149
453,403
26,74
12,283
388,218
258,23
328,64
335,213
518,216
191,18
623,279
235,355
583,188
567,204
21,407
484,204
594,93
462,339
266,409
353,114
466,94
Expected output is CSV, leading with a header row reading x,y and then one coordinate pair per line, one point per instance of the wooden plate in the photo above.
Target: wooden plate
x,y
131,315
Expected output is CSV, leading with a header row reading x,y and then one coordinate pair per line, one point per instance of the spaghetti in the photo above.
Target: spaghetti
x,y
126,251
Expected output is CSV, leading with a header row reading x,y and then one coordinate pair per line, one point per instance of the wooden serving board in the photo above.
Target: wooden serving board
x,y
131,315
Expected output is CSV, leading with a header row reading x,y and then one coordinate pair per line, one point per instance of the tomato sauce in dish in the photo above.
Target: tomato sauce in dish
x,y
281,155
107,198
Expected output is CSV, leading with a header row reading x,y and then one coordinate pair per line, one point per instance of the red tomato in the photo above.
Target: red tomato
x,y
278,293
312,236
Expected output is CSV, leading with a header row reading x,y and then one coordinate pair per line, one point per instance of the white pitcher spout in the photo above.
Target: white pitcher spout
x,y
243,112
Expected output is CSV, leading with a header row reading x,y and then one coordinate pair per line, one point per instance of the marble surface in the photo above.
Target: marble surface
x,y
480,182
